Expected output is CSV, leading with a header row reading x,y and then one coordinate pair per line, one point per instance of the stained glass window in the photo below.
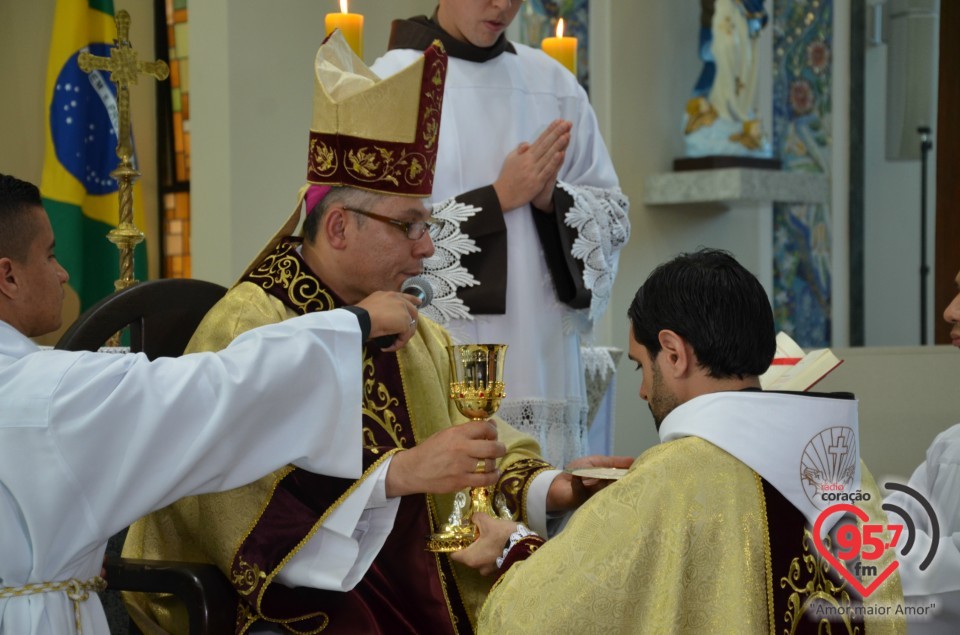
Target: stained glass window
x,y
174,144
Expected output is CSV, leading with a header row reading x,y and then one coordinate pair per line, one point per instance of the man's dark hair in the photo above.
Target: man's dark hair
x,y
715,304
17,229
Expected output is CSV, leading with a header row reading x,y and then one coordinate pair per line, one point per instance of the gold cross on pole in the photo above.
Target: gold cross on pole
x,y
125,69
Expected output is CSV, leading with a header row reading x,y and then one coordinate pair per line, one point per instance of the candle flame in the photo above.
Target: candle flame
x,y
559,24
343,6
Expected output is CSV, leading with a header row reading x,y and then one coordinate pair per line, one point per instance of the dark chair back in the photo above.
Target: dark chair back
x,y
162,316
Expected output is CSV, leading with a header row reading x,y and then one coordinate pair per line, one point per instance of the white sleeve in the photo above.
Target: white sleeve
x,y
137,435
943,476
338,555
938,479
942,574
537,501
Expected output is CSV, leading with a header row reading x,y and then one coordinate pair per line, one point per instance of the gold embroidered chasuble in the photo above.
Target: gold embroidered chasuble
x,y
215,528
679,545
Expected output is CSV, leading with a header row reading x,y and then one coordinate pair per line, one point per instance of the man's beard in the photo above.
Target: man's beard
x,y
661,401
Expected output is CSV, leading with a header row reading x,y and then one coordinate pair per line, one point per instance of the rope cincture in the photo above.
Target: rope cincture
x,y
76,590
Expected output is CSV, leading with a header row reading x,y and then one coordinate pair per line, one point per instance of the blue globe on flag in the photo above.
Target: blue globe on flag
x,y
84,119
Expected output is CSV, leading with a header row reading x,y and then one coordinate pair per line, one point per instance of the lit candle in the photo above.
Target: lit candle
x,y
562,49
350,24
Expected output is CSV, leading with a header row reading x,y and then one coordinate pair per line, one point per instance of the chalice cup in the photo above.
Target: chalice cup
x,y
476,388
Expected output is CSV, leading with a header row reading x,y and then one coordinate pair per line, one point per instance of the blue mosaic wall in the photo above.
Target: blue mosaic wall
x,y
803,31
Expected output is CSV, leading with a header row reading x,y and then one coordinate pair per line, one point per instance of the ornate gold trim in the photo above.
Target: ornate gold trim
x,y
515,483
245,577
377,406
817,587
281,473
767,560
283,268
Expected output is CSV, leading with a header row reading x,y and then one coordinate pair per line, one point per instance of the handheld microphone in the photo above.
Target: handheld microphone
x,y
420,288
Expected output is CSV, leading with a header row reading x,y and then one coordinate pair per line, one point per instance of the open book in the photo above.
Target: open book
x,y
792,369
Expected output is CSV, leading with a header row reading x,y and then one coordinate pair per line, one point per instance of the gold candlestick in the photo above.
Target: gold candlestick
x,y
476,387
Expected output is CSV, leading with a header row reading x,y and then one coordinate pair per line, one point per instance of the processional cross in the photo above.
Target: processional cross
x,y
125,70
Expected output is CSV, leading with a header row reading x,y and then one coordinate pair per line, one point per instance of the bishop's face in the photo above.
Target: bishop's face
x,y
380,254
477,22
660,397
952,315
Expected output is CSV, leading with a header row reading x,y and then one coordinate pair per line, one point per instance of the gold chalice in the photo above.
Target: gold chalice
x,y
476,387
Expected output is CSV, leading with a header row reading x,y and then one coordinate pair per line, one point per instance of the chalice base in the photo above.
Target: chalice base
x,y
459,533
451,538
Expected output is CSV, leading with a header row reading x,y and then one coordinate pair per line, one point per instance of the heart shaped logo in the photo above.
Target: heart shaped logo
x,y
836,562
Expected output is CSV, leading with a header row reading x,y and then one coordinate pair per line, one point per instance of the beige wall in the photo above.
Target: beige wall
x,y
907,395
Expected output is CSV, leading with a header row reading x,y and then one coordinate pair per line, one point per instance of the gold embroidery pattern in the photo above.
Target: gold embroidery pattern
x,y
818,587
374,164
246,577
245,618
377,404
432,101
514,481
767,558
284,270
323,158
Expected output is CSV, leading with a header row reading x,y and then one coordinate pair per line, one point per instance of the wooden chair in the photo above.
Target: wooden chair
x,y
162,316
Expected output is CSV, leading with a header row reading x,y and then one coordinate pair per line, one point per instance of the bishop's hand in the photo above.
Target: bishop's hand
x,y
448,461
391,313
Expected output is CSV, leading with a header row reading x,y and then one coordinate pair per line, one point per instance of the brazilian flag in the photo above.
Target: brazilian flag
x,y
81,139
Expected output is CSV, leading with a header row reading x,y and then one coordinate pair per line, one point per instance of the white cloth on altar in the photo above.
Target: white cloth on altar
x,y
78,431
770,432
489,108
937,479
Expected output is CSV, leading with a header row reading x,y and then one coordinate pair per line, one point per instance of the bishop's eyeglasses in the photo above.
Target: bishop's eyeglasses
x,y
414,229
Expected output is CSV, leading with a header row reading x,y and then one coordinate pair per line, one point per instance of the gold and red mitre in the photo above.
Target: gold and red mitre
x,y
368,133
375,134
